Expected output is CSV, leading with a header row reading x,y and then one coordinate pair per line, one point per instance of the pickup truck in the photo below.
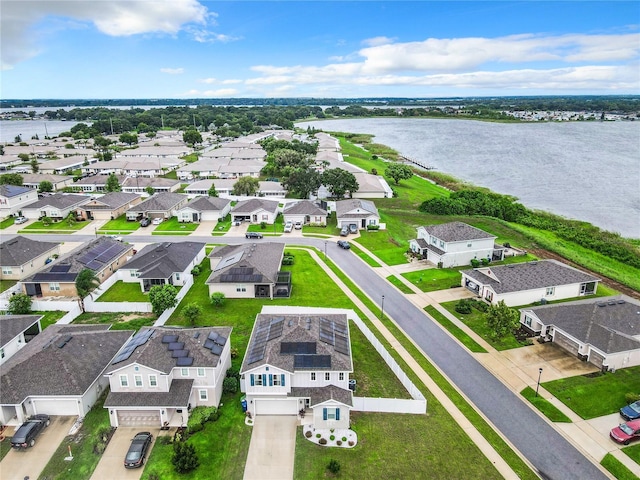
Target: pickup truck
x,y
26,435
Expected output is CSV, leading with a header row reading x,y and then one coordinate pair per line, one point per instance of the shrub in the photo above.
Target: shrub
x,y
338,442
308,434
199,416
233,372
195,271
218,298
322,441
631,397
318,435
485,261
184,458
351,443
479,305
263,225
332,438
463,306
334,466
195,428
373,227
475,263
230,385
164,440
344,439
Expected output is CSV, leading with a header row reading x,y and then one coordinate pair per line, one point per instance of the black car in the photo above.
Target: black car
x,y
138,450
253,235
145,222
26,435
344,244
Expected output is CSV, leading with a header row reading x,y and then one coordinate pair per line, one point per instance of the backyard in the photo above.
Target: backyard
x,y
118,321
124,292
173,227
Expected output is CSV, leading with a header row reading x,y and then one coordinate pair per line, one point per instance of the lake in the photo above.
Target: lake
x,y
28,128
583,170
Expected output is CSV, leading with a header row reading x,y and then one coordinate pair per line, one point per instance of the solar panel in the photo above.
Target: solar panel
x,y
208,344
94,265
326,337
340,327
220,340
60,268
216,349
196,335
184,362
63,341
169,338
275,329
342,346
176,345
299,348
179,353
311,361
212,335
256,354
141,338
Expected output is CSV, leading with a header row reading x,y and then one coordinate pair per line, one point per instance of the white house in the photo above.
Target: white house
x,y
306,212
15,332
160,205
255,210
13,198
57,206
524,283
205,208
21,257
362,213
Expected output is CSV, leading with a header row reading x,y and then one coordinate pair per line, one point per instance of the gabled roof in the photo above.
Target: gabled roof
x,y
161,260
59,200
319,395
457,232
344,207
207,204
13,325
304,207
177,396
112,201
518,277
251,263
253,204
49,365
144,182
20,250
159,202
10,191
611,324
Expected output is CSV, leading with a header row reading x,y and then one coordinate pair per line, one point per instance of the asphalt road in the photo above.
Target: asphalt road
x,y
550,453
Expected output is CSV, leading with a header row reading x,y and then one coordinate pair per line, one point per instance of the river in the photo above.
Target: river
x,y
583,170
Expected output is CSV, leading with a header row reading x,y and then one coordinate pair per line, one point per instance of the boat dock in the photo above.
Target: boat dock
x,y
420,163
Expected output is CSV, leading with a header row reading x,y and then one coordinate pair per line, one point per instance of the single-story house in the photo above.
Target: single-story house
x,y
138,167
524,283
224,187
164,372
362,213
103,256
372,186
109,206
15,332
22,256
299,362
163,263
454,244
66,165
59,372
249,271
159,205
204,208
33,180
604,331
57,206
14,198
95,183
140,184
255,210
305,212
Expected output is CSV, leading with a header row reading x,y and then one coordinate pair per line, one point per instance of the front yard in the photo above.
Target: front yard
x,y
6,284
55,227
173,227
119,226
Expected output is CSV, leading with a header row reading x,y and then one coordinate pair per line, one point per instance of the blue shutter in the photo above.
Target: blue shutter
x,y
282,378
264,380
324,413
270,380
252,380
337,414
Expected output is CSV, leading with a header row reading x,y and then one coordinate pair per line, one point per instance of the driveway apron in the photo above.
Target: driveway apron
x,y
111,464
272,448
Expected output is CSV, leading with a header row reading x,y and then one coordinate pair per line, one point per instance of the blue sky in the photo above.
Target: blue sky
x,y
196,49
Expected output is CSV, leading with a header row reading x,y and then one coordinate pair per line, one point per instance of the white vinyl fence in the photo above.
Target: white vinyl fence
x,y
183,291
91,303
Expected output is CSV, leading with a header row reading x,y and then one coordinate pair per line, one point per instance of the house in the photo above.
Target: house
x,y
57,206
604,331
66,165
202,209
249,271
59,372
159,205
15,332
454,244
362,213
109,206
163,263
33,180
21,256
103,256
305,212
224,187
141,184
164,372
371,186
13,198
299,362
135,167
524,283
255,210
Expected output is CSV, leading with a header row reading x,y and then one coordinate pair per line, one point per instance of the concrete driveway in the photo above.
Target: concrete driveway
x,y
272,448
20,464
111,464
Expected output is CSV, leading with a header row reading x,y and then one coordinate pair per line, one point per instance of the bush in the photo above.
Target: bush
x,y
308,434
199,416
631,397
218,298
339,442
334,466
195,428
332,438
164,440
344,439
233,372
351,443
263,225
463,307
485,261
318,435
479,305
184,458
322,441
373,227
475,263
230,385
195,271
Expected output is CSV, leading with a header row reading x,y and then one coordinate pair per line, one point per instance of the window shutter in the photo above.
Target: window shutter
x,y
324,413
337,414
282,378
264,380
252,380
270,380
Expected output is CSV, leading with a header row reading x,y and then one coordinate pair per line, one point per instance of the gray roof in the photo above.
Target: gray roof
x,y
161,260
59,200
156,355
253,204
159,202
177,396
13,325
297,329
608,323
97,180
518,277
319,395
112,201
43,368
144,182
261,261
305,207
20,250
345,206
457,232
13,190
205,204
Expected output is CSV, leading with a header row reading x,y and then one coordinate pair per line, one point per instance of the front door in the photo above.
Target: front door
x,y
363,223
195,217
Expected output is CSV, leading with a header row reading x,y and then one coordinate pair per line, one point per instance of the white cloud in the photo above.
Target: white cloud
x,y
172,71
377,41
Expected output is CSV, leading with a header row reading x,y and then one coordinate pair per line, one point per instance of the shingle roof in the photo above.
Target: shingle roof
x,y
177,396
518,277
161,260
159,202
253,204
59,200
608,323
457,232
319,395
205,204
304,207
344,206
263,259
113,200
13,190
13,325
20,250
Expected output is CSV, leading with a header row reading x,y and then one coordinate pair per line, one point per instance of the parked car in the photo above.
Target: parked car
x,y
145,222
138,449
353,228
631,411
298,225
26,435
288,227
344,244
157,221
253,235
626,432
19,220
344,232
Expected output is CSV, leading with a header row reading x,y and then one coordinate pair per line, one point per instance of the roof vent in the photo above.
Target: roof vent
x,y
533,262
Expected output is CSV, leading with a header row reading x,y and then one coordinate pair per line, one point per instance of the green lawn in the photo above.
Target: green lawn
x,y
118,321
596,394
55,227
364,256
616,468
5,446
49,317
7,222
222,227
172,226
119,226
454,330
124,292
399,284
6,284
545,407
633,452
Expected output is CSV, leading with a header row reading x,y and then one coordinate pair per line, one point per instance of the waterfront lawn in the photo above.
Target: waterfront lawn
x,y
545,407
596,394
118,321
49,317
617,468
6,284
173,227
454,330
7,222
119,225
55,227
123,292
399,284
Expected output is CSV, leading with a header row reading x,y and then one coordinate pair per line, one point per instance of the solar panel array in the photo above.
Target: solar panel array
x,y
335,333
241,274
60,268
140,339
179,353
302,362
184,361
216,349
228,261
263,334
176,346
101,254
298,348
275,328
169,338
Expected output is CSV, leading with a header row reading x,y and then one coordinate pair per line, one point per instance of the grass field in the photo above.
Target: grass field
x,y
545,407
396,282
454,330
50,317
118,321
6,284
172,226
617,468
119,226
55,227
6,222
124,292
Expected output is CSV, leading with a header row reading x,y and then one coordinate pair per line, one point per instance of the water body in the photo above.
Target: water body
x,y
583,170
28,128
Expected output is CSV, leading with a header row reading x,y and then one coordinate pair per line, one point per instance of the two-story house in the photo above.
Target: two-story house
x,y
15,332
299,362
13,198
161,373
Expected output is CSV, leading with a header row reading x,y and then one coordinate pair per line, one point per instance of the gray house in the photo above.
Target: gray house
x,y
21,257
362,213
204,209
57,206
160,205
255,210
305,212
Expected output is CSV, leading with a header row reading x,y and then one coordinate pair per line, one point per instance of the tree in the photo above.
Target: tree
x,y
184,458
11,179
501,319
34,166
191,137
302,182
150,190
162,297
212,191
217,299
246,186
24,157
86,282
71,219
339,182
112,185
45,186
398,171
192,312
19,304
128,138
46,221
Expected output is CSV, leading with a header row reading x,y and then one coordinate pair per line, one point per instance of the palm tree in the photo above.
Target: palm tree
x,y
86,282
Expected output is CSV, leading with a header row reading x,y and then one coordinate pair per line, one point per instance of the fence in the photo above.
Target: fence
x,y
389,405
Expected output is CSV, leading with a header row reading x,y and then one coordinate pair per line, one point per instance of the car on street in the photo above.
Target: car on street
x,y
26,435
253,235
288,227
631,411
138,450
157,221
145,222
353,228
298,225
19,220
344,231
344,244
625,433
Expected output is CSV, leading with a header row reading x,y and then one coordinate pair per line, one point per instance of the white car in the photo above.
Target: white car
x,y
157,221
288,227
298,225
20,220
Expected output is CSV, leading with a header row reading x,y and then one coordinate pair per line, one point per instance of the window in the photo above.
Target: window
x,y
204,395
341,376
184,372
7,271
137,380
313,376
276,380
331,414
1,352
241,288
441,244
177,276
469,244
54,287
132,273
527,320
124,381
550,291
153,381
258,380
201,372
327,376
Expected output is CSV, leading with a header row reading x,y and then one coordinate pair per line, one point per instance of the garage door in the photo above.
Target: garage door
x,y
277,407
138,418
55,407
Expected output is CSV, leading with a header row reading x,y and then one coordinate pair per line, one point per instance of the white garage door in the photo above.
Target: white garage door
x,y
277,407
55,407
138,418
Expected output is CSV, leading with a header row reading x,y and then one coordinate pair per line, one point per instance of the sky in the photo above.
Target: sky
x,y
101,49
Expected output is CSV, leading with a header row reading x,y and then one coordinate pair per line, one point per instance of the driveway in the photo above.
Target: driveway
x,y
111,465
272,448
20,464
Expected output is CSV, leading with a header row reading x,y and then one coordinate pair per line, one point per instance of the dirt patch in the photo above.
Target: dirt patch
x,y
135,316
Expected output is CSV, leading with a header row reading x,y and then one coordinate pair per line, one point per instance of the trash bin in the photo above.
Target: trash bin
x,y
243,402
352,385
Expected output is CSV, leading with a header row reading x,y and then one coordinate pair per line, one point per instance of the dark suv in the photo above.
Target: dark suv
x,y
253,235
145,222
26,435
